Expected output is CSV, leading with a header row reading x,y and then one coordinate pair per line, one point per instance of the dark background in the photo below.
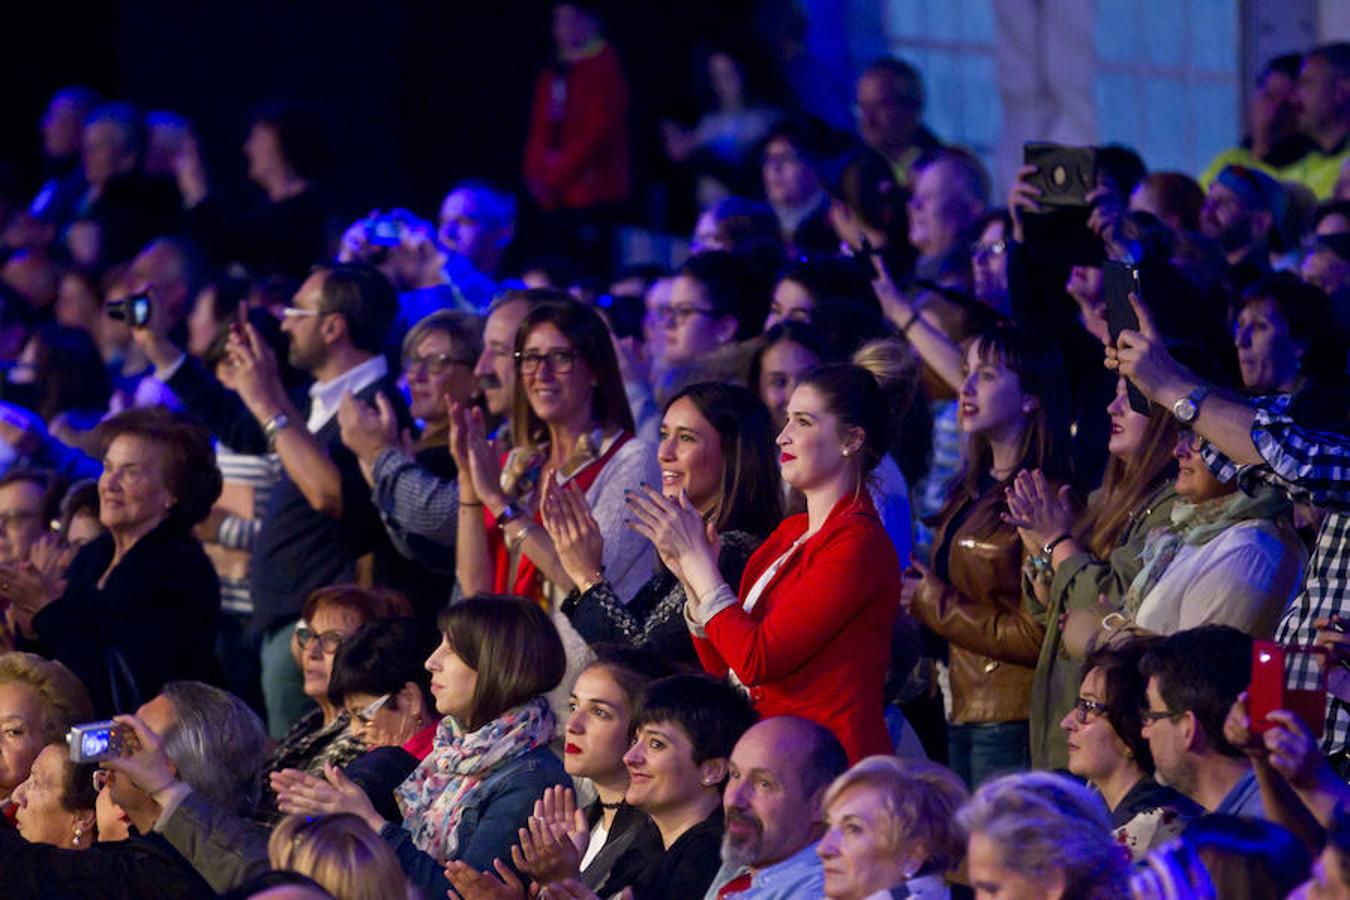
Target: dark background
x,y
416,95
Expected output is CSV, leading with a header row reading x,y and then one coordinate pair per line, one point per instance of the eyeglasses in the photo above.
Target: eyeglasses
x,y
560,361
677,315
329,641
1152,716
1085,707
101,777
987,251
367,715
12,517
434,363
299,312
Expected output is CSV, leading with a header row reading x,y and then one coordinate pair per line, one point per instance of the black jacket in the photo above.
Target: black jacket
x,y
157,611
143,867
298,548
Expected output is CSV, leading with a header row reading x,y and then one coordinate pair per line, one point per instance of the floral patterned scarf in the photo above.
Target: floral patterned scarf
x,y
434,795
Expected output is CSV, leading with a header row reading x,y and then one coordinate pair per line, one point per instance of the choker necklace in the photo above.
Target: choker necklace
x,y
604,805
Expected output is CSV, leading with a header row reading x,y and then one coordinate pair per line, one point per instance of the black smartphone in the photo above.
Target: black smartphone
x,y
1119,280
1065,175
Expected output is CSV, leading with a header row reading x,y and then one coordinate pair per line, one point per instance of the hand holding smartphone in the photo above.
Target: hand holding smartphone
x,y
1119,280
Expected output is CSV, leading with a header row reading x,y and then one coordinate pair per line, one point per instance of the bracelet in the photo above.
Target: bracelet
x,y
513,542
1054,542
909,323
465,504
593,580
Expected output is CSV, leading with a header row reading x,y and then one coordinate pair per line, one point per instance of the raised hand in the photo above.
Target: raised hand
x,y
483,468
547,853
367,430
675,528
300,792
1142,357
255,374
468,883
1038,512
575,533
1022,199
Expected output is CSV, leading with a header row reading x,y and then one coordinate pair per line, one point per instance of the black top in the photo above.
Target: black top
x,y
654,619
286,237
154,619
631,830
298,548
1147,796
685,870
143,867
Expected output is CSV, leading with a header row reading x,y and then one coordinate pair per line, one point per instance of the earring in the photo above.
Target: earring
x,y
847,451
79,833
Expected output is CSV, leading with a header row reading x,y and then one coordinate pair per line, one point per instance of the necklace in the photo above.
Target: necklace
x,y
615,805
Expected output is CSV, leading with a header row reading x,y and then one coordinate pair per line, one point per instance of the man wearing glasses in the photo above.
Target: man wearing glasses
x,y
1194,677
320,519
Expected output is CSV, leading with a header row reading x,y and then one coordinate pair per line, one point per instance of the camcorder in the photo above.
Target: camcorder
x,y
134,310
95,742
1065,176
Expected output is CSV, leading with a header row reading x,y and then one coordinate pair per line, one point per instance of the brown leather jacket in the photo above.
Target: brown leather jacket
x,y
994,641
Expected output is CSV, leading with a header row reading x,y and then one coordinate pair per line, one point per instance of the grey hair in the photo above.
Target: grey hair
x,y
1043,823
217,743
464,329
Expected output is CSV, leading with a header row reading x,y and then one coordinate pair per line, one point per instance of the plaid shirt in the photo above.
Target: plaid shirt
x,y
1311,467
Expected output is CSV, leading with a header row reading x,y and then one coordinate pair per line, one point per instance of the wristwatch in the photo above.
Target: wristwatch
x,y
273,427
508,515
1187,409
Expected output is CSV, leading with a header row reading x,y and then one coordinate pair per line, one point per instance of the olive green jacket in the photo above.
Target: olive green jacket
x,y
1078,582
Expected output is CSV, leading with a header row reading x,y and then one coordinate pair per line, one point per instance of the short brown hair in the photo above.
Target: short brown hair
x,y
62,695
367,603
513,646
191,475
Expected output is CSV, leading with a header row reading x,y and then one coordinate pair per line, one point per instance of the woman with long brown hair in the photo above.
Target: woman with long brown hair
x,y
1091,554
1014,416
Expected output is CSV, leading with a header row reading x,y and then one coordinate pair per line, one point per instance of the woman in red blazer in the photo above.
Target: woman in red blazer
x,y
809,632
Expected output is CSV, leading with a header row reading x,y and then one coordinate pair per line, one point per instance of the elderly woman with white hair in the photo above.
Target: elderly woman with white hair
x,y
1040,835
891,831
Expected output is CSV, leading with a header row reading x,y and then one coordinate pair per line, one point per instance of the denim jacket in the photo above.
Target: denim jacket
x,y
488,826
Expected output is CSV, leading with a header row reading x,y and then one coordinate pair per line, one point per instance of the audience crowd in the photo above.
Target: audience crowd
x,y
889,545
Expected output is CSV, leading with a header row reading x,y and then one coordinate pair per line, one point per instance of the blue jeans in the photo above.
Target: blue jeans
x,y
979,752
283,684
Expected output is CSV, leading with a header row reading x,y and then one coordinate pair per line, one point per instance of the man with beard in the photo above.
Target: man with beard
x,y
320,519
416,501
776,782
1240,213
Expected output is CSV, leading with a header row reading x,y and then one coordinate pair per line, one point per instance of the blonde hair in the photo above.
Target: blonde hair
x,y
61,694
920,800
341,853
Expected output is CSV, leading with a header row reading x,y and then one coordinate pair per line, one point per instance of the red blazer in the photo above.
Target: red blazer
x,y
817,643
579,153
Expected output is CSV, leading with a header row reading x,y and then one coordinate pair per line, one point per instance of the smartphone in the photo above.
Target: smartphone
x,y
1065,175
1119,280
95,742
1268,692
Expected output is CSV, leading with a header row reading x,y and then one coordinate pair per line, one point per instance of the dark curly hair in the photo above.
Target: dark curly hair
x,y
191,474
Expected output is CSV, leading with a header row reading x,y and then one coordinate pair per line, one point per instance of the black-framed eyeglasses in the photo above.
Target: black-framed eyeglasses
x,y
1085,707
559,361
434,363
1150,715
329,641
679,314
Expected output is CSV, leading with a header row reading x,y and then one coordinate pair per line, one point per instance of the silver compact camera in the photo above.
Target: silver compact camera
x,y
95,742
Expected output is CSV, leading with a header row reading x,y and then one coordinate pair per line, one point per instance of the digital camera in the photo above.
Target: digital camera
x,y
134,310
95,742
